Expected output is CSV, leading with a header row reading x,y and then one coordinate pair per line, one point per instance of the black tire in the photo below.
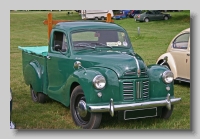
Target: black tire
x,y
166,18
146,19
38,96
166,65
87,120
102,18
96,18
166,113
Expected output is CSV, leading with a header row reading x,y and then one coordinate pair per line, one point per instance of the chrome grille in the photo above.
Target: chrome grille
x,y
128,90
145,89
136,90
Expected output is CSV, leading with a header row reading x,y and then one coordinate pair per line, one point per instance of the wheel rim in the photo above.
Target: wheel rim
x,y
146,20
80,110
34,95
166,18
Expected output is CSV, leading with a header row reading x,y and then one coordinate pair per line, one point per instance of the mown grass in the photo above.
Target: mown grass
x,y
27,29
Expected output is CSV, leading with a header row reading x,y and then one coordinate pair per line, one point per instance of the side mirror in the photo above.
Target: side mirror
x,y
57,47
77,64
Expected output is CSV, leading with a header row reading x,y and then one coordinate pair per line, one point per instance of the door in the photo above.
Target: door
x,y
158,15
57,65
151,15
181,55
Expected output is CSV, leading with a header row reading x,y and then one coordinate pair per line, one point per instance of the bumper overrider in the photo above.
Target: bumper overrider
x,y
111,107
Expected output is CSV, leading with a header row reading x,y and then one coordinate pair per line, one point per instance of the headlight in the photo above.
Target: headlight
x,y
168,76
99,82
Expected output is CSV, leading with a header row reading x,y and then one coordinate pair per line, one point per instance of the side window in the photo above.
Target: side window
x,y
59,41
181,42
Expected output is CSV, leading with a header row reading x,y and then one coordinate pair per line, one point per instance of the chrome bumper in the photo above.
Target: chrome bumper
x,y
111,107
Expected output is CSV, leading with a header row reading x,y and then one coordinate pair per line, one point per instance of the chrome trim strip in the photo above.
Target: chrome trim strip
x,y
138,66
131,106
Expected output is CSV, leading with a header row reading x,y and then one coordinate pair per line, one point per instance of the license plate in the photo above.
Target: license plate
x,y
140,113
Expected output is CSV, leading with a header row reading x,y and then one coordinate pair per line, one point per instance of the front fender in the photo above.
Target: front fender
x,y
84,78
170,62
157,88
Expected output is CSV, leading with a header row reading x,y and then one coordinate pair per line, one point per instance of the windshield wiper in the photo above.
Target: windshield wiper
x,y
101,44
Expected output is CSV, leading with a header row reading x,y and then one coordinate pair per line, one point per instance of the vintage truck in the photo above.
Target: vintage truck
x,y
92,68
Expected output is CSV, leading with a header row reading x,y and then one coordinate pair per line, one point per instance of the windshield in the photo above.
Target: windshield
x,y
91,39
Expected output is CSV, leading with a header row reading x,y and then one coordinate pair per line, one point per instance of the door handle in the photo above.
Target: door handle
x,y
188,54
48,57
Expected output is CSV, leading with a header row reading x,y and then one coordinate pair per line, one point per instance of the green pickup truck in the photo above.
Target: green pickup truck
x,y
92,68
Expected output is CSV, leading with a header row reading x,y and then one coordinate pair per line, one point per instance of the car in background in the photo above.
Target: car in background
x,y
12,125
134,12
152,15
178,55
121,14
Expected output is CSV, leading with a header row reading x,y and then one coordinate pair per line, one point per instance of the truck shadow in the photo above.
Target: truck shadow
x,y
186,84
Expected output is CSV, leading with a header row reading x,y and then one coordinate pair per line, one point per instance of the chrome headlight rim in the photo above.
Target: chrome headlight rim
x,y
99,82
168,77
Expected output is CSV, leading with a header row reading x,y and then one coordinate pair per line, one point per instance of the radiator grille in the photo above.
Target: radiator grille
x,y
136,90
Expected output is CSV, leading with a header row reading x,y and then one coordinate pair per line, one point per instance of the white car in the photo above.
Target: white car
x,y
178,55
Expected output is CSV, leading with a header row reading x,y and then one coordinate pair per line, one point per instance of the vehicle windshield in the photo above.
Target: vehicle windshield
x,y
91,39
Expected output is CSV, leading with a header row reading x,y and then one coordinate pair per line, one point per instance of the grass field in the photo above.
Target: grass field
x,y
27,29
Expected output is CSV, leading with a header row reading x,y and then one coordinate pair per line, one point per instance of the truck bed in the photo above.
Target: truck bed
x,y
34,66
38,50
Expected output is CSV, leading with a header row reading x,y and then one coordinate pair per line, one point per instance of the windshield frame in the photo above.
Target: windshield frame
x,y
108,47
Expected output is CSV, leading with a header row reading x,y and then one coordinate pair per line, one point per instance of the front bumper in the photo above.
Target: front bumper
x,y
111,107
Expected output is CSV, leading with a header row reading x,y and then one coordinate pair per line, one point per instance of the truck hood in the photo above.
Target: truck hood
x,y
123,64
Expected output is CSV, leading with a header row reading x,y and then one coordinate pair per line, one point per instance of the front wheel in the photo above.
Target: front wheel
x,y
146,19
80,115
166,18
166,113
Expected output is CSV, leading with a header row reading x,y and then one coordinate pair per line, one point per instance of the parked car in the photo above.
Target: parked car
x,y
121,14
134,12
151,15
178,54
125,12
12,125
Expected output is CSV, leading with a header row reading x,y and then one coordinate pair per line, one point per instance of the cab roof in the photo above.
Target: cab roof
x,y
74,25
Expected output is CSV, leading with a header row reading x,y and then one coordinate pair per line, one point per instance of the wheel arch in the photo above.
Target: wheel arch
x,y
33,75
79,77
170,62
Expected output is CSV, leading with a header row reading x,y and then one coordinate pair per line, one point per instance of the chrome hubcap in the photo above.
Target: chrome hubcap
x,y
82,109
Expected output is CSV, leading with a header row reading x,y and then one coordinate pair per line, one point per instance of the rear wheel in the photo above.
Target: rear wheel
x,y
102,18
80,115
38,96
96,18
